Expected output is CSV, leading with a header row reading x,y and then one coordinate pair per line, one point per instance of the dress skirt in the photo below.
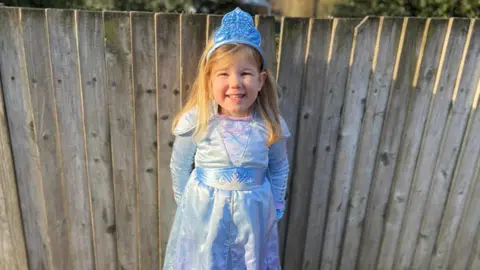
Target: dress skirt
x,y
218,228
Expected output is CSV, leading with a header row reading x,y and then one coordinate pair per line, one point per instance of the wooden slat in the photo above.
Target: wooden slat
x,y
122,128
361,60
341,40
290,74
68,97
464,242
213,22
412,36
143,38
311,106
419,104
375,107
37,58
168,103
463,177
97,136
193,32
431,146
474,260
13,254
266,27
451,143
19,112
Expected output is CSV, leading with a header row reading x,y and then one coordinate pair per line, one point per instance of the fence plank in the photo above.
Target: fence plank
x,y
97,135
353,109
437,119
168,102
14,79
452,139
463,177
122,126
464,242
266,27
474,260
213,22
12,250
311,105
66,83
290,74
411,41
419,103
338,67
143,41
193,31
375,107
37,59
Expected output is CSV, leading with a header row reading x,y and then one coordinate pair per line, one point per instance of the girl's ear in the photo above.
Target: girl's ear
x,y
262,78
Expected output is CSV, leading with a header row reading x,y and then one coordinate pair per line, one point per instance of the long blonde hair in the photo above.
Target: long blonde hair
x,y
200,96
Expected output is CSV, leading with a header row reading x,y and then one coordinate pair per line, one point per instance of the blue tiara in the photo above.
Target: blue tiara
x,y
237,27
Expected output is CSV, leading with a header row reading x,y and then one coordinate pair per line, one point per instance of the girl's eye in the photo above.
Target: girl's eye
x,y
246,73
222,74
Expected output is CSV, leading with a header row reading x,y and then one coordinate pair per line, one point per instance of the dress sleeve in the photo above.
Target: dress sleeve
x,y
183,155
278,169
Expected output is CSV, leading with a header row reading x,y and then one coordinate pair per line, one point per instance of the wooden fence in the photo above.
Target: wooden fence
x,y
385,151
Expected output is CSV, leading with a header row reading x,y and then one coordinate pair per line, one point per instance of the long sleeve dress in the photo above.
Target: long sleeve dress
x,y
229,187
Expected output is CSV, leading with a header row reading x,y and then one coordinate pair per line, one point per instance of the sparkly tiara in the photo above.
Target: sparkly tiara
x,y
237,27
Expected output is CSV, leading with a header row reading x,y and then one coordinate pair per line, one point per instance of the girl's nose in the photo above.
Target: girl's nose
x,y
235,81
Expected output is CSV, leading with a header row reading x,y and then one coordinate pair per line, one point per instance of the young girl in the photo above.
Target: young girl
x,y
229,162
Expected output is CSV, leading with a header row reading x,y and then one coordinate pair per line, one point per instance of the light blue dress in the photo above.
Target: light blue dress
x,y
229,188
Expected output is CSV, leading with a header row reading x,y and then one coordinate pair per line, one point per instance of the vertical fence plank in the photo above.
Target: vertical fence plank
x,y
97,136
213,22
266,27
464,242
68,97
143,41
311,105
419,104
290,74
19,112
37,57
12,251
193,32
361,59
332,101
375,107
122,126
474,260
463,177
168,102
451,143
437,119
411,41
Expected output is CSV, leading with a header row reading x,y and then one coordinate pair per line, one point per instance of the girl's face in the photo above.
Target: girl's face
x,y
235,83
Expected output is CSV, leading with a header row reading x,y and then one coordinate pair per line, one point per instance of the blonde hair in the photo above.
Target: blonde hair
x,y
200,96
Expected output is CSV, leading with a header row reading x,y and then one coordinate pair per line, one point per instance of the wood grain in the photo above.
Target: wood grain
x,y
311,108
372,123
459,113
18,107
168,103
411,42
334,89
290,84
436,123
97,135
118,55
37,56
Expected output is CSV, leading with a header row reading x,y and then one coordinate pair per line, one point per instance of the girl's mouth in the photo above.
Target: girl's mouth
x,y
236,97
